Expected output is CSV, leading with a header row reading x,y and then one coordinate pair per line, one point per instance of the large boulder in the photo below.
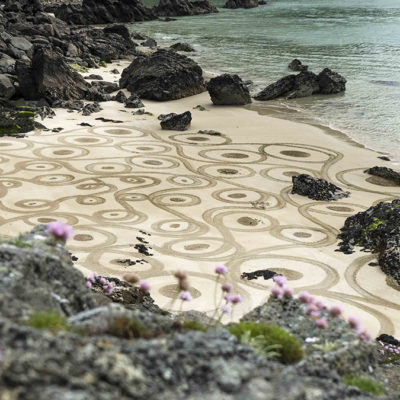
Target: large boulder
x,y
7,89
49,77
175,122
331,82
305,84
228,90
16,121
277,89
241,4
385,173
162,76
171,8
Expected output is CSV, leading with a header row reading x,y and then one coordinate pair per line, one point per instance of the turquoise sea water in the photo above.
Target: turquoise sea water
x,y
358,38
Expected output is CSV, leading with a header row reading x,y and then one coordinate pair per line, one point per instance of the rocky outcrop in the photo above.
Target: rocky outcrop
x,y
172,8
186,47
162,76
7,89
378,230
175,122
317,189
386,173
228,90
50,78
15,121
306,83
104,12
241,4
297,66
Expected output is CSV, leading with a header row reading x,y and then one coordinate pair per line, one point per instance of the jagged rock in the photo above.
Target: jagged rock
x,y
175,122
133,102
316,189
172,8
277,89
97,94
265,273
7,89
7,64
91,108
297,66
94,77
163,75
74,105
228,90
50,78
182,47
241,4
120,97
149,42
119,29
331,82
106,87
386,173
16,121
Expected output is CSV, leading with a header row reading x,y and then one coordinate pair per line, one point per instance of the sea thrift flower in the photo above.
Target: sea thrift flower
x,y
59,230
311,308
228,298
225,309
108,287
227,287
365,336
185,296
237,298
320,304
179,274
276,292
131,278
88,284
322,323
280,280
287,293
103,281
221,269
336,310
354,323
305,297
144,286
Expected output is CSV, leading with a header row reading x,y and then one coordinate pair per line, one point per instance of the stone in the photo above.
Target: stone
x,y
7,89
175,122
162,76
228,90
91,108
149,42
172,8
133,102
331,82
186,47
280,88
241,4
297,66
7,64
386,173
120,97
317,189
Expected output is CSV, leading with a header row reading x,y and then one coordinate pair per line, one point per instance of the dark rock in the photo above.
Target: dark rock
x,y
297,66
316,189
7,89
228,90
94,77
182,47
91,108
386,173
163,75
20,43
280,88
241,4
133,102
149,42
331,82
7,64
384,158
120,97
119,29
56,130
50,78
114,71
106,87
210,132
388,339
75,105
172,8
16,121
97,94
265,273
45,112
175,122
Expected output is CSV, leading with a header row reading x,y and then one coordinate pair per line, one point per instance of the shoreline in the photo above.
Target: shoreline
x,y
187,208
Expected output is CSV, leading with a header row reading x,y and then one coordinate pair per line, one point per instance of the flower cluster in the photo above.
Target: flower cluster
x,y
314,307
144,285
59,230
107,286
391,353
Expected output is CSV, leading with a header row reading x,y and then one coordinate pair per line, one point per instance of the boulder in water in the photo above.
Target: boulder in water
x,y
172,8
297,66
186,47
331,82
241,4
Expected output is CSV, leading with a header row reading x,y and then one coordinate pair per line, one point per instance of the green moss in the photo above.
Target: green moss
x,y
269,338
102,63
10,129
47,320
26,114
20,243
79,68
128,328
364,384
192,325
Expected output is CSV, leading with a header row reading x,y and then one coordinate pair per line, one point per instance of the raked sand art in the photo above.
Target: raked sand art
x,y
198,200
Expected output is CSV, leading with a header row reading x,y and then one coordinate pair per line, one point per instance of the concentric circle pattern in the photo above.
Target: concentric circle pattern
x,y
151,203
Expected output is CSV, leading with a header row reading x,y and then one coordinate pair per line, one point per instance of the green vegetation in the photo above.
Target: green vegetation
x,y
364,384
15,128
26,114
79,68
20,243
48,320
191,325
268,340
326,346
103,64
128,328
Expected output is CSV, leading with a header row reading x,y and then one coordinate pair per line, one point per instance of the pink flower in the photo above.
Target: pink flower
x,y
88,284
305,297
311,308
336,310
103,281
237,298
221,269
93,277
144,286
320,304
280,280
365,336
225,309
59,230
228,298
184,295
354,323
287,293
227,287
322,323
276,292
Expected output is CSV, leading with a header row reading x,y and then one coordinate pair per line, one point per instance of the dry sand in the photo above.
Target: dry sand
x,y
200,200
